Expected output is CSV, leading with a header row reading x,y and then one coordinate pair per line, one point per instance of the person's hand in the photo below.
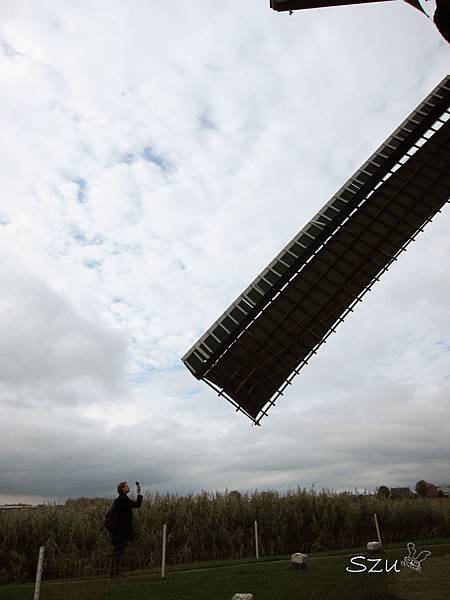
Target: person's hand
x,y
138,488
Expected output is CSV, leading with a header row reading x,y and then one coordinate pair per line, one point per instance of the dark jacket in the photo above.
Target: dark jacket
x,y
123,524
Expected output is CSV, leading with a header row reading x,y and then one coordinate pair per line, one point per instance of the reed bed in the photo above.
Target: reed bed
x,y
211,526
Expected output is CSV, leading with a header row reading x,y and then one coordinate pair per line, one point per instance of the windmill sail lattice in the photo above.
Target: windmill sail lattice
x,y
255,349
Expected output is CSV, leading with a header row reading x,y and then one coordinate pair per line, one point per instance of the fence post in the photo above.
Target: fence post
x,y
256,540
163,565
378,529
37,585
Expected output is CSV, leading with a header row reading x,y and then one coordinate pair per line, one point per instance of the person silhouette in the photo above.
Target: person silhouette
x,y
122,531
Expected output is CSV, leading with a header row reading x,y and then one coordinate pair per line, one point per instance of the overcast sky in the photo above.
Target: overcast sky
x,y
155,157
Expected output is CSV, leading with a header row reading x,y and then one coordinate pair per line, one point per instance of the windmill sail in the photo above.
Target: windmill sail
x,y
271,331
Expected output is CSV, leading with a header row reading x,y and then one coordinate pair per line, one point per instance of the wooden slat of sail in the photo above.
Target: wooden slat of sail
x,y
266,336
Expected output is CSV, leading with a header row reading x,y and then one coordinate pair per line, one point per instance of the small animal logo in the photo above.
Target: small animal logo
x,y
413,560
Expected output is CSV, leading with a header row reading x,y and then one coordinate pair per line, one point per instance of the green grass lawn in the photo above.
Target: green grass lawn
x,y
325,577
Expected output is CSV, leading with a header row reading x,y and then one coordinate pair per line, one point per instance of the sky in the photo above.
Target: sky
x,y
155,157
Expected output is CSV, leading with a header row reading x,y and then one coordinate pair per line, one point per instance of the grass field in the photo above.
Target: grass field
x,y
325,577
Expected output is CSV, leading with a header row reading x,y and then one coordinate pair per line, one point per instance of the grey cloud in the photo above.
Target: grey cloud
x,y
297,104
43,340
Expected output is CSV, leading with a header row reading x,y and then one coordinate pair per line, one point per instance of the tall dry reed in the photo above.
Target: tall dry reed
x,y
214,526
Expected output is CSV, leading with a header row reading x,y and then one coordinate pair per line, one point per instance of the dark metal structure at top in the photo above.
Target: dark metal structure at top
x,y
290,5
255,349
441,16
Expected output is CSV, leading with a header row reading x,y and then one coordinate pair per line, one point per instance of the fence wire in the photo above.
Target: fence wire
x,y
218,575
265,580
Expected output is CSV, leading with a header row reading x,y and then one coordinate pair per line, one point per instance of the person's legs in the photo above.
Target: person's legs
x,y
116,558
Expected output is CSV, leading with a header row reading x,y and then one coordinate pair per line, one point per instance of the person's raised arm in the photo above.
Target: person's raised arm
x,y
136,503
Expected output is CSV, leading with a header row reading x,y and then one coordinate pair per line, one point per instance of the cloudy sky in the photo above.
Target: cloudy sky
x,y
155,157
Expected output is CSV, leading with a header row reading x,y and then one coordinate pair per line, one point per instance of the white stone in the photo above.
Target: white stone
x,y
242,597
298,558
372,546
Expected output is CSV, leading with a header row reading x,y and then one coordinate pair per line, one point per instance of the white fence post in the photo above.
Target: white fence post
x,y
256,540
163,565
378,529
37,586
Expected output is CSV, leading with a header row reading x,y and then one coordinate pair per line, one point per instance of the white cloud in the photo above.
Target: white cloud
x,y
156,158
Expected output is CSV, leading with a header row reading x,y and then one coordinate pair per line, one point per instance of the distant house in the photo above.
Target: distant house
x,y
401,492
444,489
15,506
